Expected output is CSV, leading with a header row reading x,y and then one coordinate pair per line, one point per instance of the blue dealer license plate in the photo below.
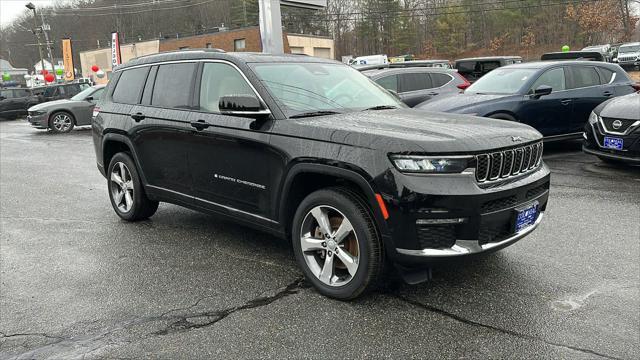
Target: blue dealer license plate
x,y
526,216
613,143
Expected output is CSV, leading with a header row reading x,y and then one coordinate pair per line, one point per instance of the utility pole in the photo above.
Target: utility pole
x,y
46,39
32,7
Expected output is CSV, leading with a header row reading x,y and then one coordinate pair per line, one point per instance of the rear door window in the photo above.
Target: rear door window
x,y
173,85
554,78
414,82
21,92
130,85
584,76
219,79
389,82
7,94
438,80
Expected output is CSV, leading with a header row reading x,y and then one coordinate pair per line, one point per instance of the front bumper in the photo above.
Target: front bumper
x,y
455,219
40,121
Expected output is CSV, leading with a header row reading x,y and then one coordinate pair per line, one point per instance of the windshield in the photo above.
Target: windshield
x,y
502,81
629,48
311,87
83,94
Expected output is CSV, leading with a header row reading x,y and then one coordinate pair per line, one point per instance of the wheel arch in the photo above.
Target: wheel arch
x,y
304,178
113,143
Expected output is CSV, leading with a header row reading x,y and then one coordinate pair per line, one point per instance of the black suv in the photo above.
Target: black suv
x,y
312,150
15,102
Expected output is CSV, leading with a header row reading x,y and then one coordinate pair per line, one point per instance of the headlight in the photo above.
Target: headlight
x,y
431,164
593,118
37,112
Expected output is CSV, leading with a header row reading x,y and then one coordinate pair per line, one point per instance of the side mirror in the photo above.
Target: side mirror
x,y
541,91
89,98
242,105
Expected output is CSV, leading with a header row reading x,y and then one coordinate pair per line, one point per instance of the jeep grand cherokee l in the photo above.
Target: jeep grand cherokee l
x,y
312,150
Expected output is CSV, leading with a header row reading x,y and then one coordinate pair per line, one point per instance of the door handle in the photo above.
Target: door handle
x,y
607,93
200,125
565,101
138,116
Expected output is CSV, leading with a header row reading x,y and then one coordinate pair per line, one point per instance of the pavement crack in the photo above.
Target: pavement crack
x,y
499,329
5,335
208,318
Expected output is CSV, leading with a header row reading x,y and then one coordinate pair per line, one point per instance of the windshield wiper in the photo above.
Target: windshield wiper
x,y
382,107
314,113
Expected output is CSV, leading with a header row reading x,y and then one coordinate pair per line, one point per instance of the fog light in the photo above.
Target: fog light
x,y
440,221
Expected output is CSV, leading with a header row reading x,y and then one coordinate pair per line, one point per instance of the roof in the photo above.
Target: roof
x,y
489,58
398,70
550,63
198,54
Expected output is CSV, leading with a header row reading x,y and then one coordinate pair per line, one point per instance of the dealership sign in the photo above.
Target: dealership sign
x,y
115,50
309,4
67,60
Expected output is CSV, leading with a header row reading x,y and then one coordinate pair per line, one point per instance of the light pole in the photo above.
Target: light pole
x,y
32,7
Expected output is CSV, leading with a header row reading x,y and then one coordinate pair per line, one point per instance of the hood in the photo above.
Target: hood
x,y
622,107
49,104
462,102
409,130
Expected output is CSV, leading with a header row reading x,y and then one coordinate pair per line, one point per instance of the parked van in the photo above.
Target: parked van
x,y
369,60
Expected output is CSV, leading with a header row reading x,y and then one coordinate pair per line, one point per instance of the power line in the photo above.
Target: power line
x,y
56,13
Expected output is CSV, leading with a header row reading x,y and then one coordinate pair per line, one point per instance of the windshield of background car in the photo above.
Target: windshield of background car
x,y
629,49
502,81
83,94
306,87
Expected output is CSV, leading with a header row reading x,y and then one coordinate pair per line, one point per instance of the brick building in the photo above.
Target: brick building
x,y
245,39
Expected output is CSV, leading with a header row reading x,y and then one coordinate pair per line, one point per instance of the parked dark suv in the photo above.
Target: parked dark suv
x,y
15,102
311,150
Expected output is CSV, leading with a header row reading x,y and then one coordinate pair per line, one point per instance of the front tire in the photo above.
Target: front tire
x,y
336,243
61,122
126,192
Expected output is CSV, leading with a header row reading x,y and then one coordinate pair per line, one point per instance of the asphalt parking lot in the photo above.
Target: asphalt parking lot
x,y
77,282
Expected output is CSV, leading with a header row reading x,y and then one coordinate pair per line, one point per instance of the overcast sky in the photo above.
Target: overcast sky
x,y
10,9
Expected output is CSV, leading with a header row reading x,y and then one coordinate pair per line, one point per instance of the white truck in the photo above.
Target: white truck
x,y
369,60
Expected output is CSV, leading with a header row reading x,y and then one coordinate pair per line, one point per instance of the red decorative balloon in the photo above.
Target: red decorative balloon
x,y
49,77
95,68
44,72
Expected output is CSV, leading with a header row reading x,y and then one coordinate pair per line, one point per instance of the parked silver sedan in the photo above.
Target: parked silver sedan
x,y
62,115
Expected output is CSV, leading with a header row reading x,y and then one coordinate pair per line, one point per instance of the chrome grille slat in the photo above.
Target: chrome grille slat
x,y
507,163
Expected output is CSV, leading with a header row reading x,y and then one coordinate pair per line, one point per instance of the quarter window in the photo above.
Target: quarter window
x,y
413,82
584,76
130,85
606,75
389,82
220,80
438,80
173,85
553,78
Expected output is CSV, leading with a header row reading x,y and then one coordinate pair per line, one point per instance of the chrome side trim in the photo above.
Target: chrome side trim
x,y
229,208
467,247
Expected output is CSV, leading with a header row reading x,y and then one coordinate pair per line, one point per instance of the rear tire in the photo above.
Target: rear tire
x,y
61,122
126,192
341,259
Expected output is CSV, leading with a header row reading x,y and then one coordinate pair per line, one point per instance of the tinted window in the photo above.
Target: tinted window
x,y
7,94
606,75
413,82
173,85
584,76
466,67
220,80
490,65
129,85
389,82
21,92
438,80
553,78
72,89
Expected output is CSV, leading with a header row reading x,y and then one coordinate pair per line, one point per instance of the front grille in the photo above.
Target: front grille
x,y
608,124
507,163
627,58
436,236
498,204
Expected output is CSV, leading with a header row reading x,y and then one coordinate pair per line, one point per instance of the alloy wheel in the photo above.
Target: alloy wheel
x,y
330,245
62,122
122,187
